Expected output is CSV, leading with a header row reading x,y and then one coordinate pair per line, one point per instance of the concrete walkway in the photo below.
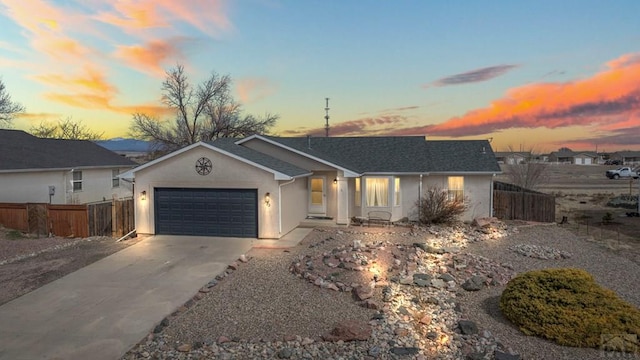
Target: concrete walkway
x,y
101,311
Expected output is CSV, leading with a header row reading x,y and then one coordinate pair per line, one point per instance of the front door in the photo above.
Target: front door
x,y
317,195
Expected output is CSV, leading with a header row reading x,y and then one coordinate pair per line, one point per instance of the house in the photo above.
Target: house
x,y
264,186
37,170
512,157
574,157
629,158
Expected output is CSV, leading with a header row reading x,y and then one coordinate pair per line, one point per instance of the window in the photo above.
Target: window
x,y
358,193
396,191
115,180
77,181
377,191
456,188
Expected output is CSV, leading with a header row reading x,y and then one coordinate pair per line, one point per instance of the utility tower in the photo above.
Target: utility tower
x,y
326,118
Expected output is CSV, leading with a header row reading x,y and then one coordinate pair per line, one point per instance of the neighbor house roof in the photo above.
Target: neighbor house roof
x,y
628,153
21,151
394,154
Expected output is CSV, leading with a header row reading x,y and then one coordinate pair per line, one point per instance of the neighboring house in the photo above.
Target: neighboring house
x,y
263,186
136,150
512,157
574,157
58,171
629,158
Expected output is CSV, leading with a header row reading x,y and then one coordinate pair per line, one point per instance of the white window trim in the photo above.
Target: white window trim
x,y
366,191
114,177
397,195
357,193
451,192
74,181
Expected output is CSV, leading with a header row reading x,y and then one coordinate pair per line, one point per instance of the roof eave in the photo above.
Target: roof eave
x,y
68,168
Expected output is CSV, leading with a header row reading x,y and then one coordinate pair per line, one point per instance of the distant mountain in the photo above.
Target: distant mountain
x,y
124,145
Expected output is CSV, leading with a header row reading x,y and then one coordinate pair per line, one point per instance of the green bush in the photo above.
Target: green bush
x,y
568,307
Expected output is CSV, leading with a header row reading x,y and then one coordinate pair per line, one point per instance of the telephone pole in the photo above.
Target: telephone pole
x,y
326,118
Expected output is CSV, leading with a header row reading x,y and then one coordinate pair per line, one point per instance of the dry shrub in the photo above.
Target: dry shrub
x,y
567,306
435,207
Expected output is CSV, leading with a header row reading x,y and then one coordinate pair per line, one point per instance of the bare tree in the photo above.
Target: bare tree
x,y
8,108
202,113
65,129
528,174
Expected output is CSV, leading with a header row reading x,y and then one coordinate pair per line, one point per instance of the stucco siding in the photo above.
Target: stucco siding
x,y
227,173
33,187
477,190
294,204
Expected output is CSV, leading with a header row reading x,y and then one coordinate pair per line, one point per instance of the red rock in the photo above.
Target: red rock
x,y
349,330
363,293
184,348
426,320
223,339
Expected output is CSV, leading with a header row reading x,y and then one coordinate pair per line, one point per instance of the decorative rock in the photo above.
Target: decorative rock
x,y
223,339
499,355
372,304
285,353
404,351
482,222
422,280
447,277
363,293
184,348
467,327
243,258
425,320
348,331
476,356
438,283
233,266
475,283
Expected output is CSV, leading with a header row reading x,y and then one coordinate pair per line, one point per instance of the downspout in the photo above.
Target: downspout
x,y
491,197
280,203
419,198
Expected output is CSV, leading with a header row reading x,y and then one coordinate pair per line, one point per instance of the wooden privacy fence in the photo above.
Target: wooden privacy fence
x,y
511,202
113,218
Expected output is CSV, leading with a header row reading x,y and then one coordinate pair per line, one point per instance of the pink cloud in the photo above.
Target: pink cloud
x,y
254,89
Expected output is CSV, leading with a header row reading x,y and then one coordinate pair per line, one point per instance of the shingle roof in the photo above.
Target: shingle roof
x,y
397,154
22,151
229,145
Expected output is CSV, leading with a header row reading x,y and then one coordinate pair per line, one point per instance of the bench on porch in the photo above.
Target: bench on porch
x,y
374,217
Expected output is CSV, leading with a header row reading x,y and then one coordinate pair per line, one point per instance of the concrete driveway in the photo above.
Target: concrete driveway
x,y
102,310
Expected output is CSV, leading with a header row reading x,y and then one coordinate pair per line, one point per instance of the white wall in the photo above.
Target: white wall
x,y
227,173
294,204
477,189
33,187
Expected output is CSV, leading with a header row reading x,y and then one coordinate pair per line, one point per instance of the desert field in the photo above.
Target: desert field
x,y
582,193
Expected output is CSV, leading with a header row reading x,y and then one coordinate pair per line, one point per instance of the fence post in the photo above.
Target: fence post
x,y
114,217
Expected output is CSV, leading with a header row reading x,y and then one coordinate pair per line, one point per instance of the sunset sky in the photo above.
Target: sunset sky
x,y
533,75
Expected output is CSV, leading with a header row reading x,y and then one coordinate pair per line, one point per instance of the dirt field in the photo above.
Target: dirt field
x,y
28,262
582,193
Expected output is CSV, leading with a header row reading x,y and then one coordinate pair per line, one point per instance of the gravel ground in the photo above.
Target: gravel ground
x,y
264,311
609,268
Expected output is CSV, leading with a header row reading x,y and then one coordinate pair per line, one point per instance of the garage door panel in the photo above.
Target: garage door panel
x,y
206,212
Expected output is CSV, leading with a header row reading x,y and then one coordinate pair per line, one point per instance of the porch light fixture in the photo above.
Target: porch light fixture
x,y
267,199
335,181
143,195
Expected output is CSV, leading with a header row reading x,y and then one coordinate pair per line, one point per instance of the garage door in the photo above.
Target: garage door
x,y
206,212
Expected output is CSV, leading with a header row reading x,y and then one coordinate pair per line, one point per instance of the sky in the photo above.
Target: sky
x,y
534,75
